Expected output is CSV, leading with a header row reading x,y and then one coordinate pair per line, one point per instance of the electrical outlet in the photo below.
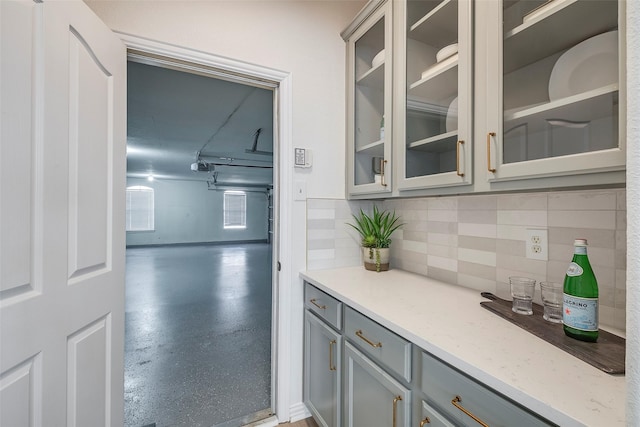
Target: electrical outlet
x,y
536,244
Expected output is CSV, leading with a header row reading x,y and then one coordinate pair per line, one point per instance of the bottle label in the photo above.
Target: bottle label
x,y
580,250
574,270
580,313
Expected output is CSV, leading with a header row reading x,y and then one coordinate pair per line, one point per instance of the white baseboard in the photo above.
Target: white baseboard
x,y
298,411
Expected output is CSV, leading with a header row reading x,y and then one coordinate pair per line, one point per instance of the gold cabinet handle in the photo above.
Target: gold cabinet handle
x,y
489,168
395,408
332,367
425,421
383,163
458,158
368,341
321,307
455,402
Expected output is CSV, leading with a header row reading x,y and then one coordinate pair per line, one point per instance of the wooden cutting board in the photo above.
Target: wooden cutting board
x,y
607,354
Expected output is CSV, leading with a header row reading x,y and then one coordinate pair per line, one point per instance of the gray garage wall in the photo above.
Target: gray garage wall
x,y
187,212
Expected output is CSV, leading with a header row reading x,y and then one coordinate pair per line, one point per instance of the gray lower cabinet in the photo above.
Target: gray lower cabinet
x,y
371,396
467,402
322,371
358,373
431,417
380,344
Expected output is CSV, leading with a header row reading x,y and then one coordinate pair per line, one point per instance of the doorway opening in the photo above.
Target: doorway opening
x,y
199,312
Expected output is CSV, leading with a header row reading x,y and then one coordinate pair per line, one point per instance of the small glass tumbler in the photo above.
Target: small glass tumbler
x,y
552,294
522,290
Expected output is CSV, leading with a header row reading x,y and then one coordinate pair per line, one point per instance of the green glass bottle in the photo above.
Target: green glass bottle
x,y
580,302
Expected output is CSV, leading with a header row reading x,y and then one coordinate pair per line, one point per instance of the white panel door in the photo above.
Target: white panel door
x,y
62,181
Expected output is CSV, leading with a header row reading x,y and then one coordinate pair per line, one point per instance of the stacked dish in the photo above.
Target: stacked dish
x,y
451,123
444,57
589,65
446,52
378,59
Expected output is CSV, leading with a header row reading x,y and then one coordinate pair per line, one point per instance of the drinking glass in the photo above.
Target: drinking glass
x,y
522,290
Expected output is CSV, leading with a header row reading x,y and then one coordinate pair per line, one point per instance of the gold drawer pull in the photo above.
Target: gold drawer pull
x,y
321,307
455,403
395,408
332,367
425,421
458,158
368,341
383,163
489,168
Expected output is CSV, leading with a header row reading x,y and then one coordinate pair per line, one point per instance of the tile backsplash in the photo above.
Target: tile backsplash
x,y
478,241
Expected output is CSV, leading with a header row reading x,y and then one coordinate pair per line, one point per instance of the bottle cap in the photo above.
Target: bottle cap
x,y
580,242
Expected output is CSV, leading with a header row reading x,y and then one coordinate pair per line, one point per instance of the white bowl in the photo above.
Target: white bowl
x,y
378,59
446,52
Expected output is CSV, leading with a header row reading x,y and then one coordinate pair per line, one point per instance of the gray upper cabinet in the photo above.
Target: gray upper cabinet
x,y
487,96
552,86
369,99
434,87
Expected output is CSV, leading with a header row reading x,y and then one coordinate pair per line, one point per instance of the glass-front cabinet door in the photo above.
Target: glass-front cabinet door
x,y
555,95
434,123
369,124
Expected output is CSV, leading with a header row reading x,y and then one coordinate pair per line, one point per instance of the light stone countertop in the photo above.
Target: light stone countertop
x,y
448,322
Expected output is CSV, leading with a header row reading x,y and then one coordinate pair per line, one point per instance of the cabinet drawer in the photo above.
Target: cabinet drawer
x,y
456,393
325,306
379,343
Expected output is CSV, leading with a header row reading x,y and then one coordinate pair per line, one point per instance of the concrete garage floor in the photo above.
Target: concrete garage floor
x,y
198,334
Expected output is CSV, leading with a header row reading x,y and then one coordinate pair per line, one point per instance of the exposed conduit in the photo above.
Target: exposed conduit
x,y
226,121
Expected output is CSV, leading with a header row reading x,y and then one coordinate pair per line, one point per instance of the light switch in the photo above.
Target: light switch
x,y
302,158
300,190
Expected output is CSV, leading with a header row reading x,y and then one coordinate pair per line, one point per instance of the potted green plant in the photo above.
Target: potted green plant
x,y
375,233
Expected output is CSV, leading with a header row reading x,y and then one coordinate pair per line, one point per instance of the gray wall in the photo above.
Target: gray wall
x,y
187,212
478,241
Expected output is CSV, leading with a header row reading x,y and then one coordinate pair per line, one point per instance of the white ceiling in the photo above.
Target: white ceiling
x,y
173,115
